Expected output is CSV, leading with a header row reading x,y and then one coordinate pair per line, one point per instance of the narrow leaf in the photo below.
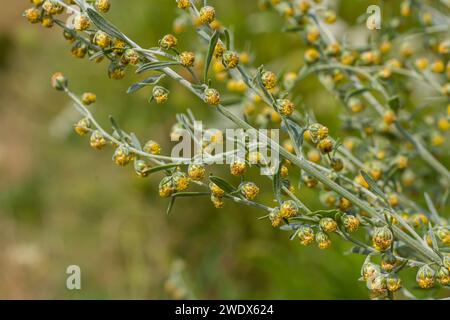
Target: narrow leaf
x,y
297,130
170,206
100,54
405,134
190,194
290,226
276,182
293,29
432,208
373,185
157,65
394,103
227,39
359,250
104,25
135,141
261,85
326,213
222,184
433,238
294,235
161,168
146,82
304,72
355,93
212,47
116,128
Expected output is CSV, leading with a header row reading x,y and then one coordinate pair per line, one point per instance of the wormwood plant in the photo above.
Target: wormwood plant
x,y
383,182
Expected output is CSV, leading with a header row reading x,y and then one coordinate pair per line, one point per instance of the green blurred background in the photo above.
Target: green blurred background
x,y
62,203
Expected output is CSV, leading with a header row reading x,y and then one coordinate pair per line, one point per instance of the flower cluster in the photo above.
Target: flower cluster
x,y
376,181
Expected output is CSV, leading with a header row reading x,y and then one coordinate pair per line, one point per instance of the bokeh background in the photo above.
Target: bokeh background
x,y
62,203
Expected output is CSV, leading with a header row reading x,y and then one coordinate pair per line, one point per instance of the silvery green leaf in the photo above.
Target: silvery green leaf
x,y
304,72
135,141
355,93
293,29
104,25
230,100
326,213
433,238
209,55
170,206
432,208
277,185
100,54
156,65
297,130
222,184
161,168
373,185
294,235
227,39
394,103
402,265
116,128
405,134
290,226
190,194
261,85
152,80
360,250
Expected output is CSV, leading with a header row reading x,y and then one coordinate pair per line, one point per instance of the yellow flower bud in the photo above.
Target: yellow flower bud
x,y
122,156
183,4
166,187
187,59
168,42
33,15
323,240
382,238
180,181
249,190
288,209
328,225
425,277
102,6
81,22
102,39
230,59
152,147
82,127
216,190
160,94
351,223
130,56
275,218
306,235
325,146
369,270
97,141
88,98
237,167
269,80
212,97
196,171
285,107
207,14
59,81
